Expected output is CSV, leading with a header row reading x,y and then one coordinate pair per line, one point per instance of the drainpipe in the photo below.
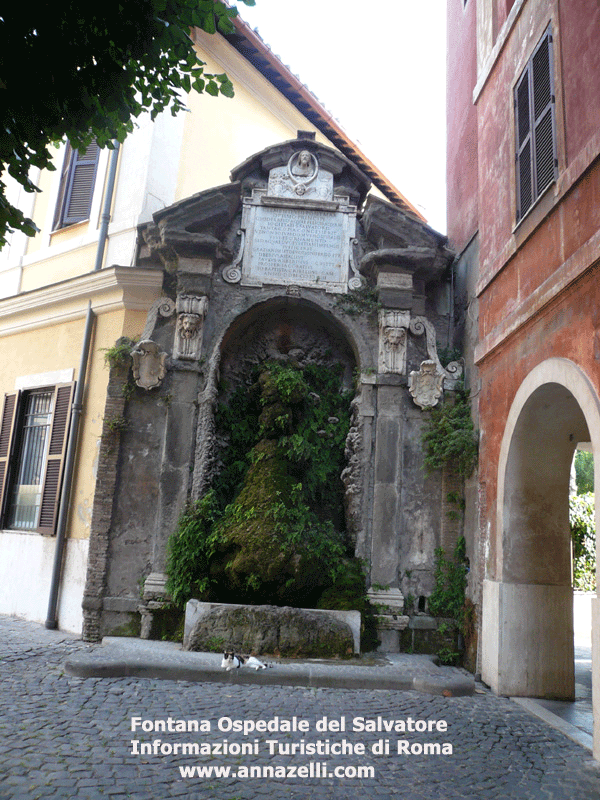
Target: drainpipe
x,y
105,218
77,406
61,525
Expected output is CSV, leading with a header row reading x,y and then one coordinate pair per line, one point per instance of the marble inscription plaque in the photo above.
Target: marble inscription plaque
x,y
293,245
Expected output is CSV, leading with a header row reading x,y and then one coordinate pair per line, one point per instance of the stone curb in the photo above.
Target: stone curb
x,y
332,677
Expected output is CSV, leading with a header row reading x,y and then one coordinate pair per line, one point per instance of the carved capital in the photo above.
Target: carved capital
x,y
191,311
393,326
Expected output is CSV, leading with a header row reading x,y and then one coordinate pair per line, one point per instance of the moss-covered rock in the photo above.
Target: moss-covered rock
x,y
287,632
264,554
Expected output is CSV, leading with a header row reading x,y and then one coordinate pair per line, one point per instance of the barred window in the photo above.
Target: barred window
x,y
33,438
536,162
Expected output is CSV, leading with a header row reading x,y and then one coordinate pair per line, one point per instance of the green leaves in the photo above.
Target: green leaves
x,y
584,472
583,535
114,63
448,596
273,524
449,438
190,550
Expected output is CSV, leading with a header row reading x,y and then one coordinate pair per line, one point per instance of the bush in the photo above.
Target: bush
x,y
583,536
584,471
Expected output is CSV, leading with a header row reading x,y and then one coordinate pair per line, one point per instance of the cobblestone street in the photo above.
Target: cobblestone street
x,y
66,737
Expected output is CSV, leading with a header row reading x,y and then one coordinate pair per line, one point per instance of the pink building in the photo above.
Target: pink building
x,y
524,220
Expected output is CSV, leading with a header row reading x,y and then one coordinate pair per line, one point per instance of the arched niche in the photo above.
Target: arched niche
x,y
304,333
301,332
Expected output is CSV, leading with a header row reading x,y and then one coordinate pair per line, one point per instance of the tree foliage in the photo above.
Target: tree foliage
x,y
583,535
584,471
86,71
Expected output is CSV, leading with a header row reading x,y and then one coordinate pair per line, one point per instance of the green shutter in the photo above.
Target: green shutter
x,y
536,162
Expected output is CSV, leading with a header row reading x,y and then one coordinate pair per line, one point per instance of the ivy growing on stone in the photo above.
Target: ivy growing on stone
x,y
271,530
449,439
448,596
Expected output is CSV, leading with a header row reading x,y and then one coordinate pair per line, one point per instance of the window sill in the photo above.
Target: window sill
x,y
72,226
536,214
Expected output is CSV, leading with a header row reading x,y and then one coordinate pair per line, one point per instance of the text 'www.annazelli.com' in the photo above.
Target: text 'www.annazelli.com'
x,y
314,769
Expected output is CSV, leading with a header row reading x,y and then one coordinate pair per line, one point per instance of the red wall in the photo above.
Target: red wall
x,y
569,328
580,62
519,264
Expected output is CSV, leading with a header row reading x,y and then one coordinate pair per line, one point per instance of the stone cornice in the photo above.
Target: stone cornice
x,y
108,290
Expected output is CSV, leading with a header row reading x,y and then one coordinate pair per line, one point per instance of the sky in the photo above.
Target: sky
x,y
379,67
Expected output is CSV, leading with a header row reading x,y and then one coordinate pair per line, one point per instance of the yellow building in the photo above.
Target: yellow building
x,y
69,293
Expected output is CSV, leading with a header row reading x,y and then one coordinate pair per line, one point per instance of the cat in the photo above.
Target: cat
x,y
233,661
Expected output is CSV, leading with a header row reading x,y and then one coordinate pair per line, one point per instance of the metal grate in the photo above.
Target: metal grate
x,y
26,490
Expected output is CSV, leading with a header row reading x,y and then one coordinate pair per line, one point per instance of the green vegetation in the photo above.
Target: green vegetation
x,y
449,439
448,600
271,529
448,354
584,472
448,596
359,301
116,423
119,354
583,535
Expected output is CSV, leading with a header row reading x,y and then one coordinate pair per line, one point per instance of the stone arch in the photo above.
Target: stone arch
x,y
527,620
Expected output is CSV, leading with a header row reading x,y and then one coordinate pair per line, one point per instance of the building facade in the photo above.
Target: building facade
x,y
524,219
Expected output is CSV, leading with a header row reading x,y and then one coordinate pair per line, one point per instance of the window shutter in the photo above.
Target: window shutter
x,y
7,429
543,115
78,188
524,153
536,164
55,459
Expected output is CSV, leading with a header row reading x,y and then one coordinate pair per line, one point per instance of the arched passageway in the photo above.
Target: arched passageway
x,y
527,625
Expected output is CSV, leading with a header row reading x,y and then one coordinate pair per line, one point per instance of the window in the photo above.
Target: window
x,y
536,163
33,439
76,185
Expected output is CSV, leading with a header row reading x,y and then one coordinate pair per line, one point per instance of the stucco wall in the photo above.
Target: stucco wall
x,y
461,113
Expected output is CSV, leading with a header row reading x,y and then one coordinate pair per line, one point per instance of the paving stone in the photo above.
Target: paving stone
x,y
74,736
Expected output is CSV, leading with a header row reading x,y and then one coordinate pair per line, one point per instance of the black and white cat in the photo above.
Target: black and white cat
x,y
233,661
